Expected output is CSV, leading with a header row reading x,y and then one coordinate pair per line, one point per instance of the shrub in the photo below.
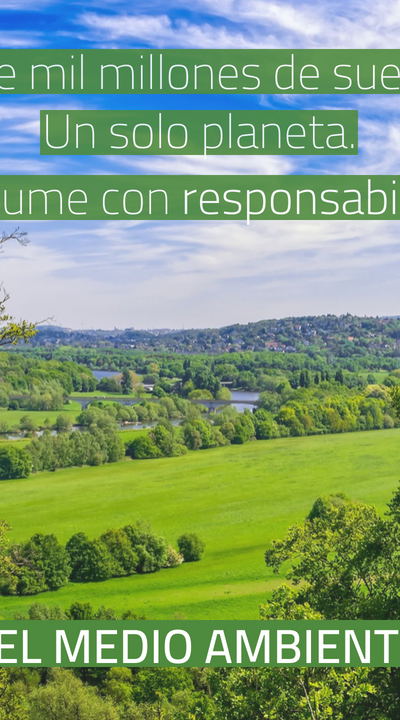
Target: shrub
x,y
150,547
191,547
324,505
142,448
173,558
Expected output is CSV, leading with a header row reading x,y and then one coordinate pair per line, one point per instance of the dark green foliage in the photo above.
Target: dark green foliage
x,y
80,611
345,560
85,611
244,428
14,463
43,564
126,382
163,437
125,559
143,448
339,377
264,425
191,547
152,550
395,399
109,384
95,447
198,434
90,560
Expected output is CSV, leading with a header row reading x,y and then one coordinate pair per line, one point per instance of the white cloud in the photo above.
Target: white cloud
x,y
210,165
256,23
18,39
160,31
147,274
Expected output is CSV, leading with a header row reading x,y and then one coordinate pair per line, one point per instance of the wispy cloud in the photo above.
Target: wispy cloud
x,y
160,31
203,273
254,23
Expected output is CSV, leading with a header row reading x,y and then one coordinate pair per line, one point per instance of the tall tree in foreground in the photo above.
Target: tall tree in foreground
x,y
13,331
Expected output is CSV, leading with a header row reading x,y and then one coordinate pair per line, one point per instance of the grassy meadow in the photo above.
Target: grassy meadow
x,y
11,418
237,498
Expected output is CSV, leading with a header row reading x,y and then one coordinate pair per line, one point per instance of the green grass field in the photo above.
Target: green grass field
x,y
11,418
379,375
236,498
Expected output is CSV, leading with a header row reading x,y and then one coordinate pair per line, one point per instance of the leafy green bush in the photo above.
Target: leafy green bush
x,y
143,448
191,547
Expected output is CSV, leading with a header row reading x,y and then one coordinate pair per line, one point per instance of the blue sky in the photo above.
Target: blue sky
x,y
150,274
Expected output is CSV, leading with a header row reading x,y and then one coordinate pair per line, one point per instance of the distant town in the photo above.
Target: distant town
x,y
342,335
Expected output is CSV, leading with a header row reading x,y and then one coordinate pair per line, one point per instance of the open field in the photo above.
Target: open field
x,y
379,375
12,417
236,498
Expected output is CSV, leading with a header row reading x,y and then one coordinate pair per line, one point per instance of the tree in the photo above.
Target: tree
x,y
151,683
14,463
142,448
191,547
109,384
151,548
43,564
63,424
244,428
8,570
90,560
11,699
65,697
28,423
118,685
345,560
339,377
120,548
11,330
40,611
80,611
395,399
126,382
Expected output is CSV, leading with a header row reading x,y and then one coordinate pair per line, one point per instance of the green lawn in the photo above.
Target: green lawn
x,y
12,417
379,375
130,433
236,498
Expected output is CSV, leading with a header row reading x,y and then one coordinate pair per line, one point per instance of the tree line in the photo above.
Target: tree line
x,y
43,563
286,413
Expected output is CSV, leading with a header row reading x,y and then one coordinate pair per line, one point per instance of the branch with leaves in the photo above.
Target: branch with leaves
x,y
13,331
20,237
